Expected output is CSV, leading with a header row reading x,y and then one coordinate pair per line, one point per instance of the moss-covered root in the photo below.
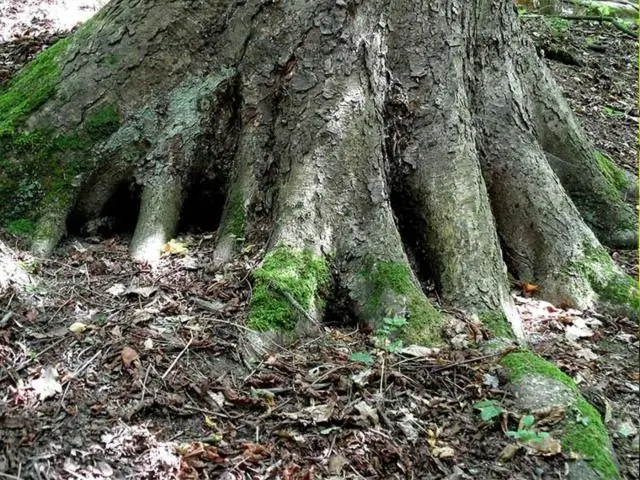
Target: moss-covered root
x,y
382,288
232,225
594,276
539,384
52,224
288,290
160,205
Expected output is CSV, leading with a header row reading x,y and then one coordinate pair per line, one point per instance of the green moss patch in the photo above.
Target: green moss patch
x,y
286,271
496,322
612,285
615,177
38,168
583,431
236,217
525,362
388,277
31,87
586,434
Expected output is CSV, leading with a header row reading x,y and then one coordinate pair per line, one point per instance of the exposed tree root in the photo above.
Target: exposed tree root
x,y
316,141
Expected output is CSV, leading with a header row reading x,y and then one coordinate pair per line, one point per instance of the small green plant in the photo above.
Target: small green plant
x,y
385,333
599,9
361,357
559,25
489,409
612,112
525,433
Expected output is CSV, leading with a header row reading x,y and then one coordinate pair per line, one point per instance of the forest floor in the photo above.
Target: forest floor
x,y
112,369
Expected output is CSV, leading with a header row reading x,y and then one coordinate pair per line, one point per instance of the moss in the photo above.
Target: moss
x,y
384,277
526,362
31,87
585,432
497,323
236,217
611,284
587,435
38,168
21,227
286,271
615,177
103,122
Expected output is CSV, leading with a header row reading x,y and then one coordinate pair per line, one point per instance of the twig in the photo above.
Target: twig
x,y
173,364
11,477
28,362
74,375
144,383
293,302
84,366
382,377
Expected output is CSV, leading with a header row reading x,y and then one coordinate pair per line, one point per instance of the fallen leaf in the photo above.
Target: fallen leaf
x,y
173,247
362,377
443,452
530,288
47,385
490,380
116,289
367,413
545,446
626,429
319,413
78,327
129,356
509,452
419,351
587,354
574,332
337,463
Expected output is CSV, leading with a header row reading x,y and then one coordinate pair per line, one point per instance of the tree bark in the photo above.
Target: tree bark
x,y
369,146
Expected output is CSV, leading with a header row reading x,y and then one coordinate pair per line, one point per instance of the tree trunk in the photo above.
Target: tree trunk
x,y
368,145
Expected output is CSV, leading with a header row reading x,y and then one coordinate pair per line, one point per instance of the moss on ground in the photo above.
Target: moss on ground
x,y
497,323
583,431
611,284
389,277
286,271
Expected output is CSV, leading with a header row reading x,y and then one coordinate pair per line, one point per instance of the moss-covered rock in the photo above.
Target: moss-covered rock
x,y
287,272
390,282
583,431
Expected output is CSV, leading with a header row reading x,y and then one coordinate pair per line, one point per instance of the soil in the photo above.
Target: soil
x,y
114,369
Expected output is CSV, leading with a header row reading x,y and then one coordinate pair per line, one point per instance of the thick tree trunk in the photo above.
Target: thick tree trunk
x,y
364,132
357,135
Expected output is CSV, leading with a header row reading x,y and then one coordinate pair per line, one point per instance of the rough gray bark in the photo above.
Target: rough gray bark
x,y
366,132
368,146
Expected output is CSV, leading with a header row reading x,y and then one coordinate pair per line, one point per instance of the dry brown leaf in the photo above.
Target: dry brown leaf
x,y
509,452
129,356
